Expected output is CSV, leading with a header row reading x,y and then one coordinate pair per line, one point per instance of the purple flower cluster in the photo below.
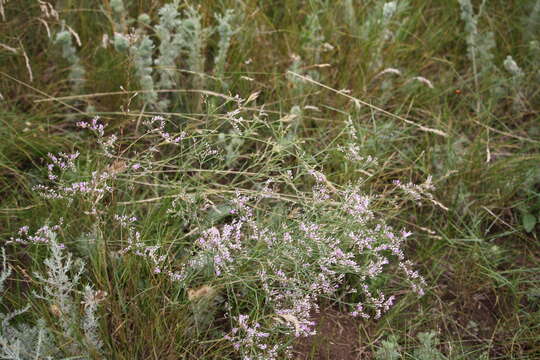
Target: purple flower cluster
x,y
160,130
40,236
222,245
352,153
307,259
107,144
62,161
96,186
309,262
137,247
95,126
321,192
253,343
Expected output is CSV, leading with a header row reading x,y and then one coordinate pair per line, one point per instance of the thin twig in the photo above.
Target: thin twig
x,y
89,96
27,62
40,92
358,101
506,133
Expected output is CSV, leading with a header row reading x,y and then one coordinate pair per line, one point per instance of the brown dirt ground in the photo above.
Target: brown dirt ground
x,y
337,338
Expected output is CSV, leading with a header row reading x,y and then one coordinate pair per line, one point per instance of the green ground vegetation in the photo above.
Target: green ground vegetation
x,y
428,107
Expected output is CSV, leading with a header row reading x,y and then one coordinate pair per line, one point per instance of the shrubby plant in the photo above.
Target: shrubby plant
x,y
182,42
425,350
21,341
428,347
120,16
384,24
64,39
171,44
342,248
141,50
532,21
74,333
313,38
313,45
480,50
226,30
381,27
480,46
389,349
516,82
487,76
350,13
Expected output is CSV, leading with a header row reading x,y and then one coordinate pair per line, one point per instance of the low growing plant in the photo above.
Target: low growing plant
x,y
265,264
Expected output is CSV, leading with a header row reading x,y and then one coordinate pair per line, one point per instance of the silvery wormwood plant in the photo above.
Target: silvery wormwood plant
x,y
182,41
75,334
21,341
381,27
64,39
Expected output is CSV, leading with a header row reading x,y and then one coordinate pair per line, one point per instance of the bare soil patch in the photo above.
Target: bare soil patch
x,y
337,338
